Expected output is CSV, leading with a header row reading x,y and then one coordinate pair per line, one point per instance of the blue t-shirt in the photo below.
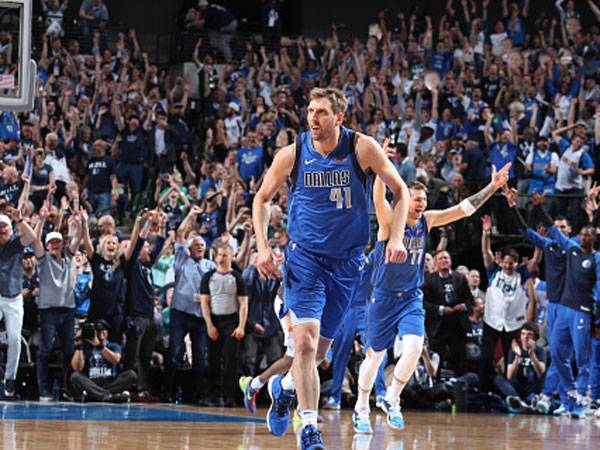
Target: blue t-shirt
x,y
251,162
503,154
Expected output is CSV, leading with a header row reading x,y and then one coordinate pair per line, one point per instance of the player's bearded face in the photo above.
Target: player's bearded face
x,y
321,119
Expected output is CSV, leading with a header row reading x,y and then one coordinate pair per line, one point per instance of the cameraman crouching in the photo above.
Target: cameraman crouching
x,y
95,367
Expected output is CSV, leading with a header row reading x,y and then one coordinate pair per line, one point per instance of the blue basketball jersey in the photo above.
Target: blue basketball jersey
x,y
396,278
328,212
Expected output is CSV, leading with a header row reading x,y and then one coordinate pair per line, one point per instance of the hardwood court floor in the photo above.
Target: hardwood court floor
x,y
73,427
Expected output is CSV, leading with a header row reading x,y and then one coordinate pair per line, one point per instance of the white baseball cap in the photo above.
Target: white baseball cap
x,y
53,235
5,219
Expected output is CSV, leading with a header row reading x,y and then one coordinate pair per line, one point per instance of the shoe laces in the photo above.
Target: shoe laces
x,y
311,436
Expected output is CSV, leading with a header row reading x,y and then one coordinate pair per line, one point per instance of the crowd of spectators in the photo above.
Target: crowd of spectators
x,y
132,223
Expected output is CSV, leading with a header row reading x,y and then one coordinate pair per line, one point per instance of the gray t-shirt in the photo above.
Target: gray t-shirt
x,y
224,289
56,290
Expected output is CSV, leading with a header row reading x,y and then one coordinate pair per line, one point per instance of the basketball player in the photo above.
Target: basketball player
x,y
396,305
328,228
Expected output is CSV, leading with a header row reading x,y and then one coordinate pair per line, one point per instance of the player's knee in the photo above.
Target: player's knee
x,y
412,348
306,346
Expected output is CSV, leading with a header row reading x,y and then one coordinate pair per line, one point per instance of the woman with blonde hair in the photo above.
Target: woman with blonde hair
x,y
107,297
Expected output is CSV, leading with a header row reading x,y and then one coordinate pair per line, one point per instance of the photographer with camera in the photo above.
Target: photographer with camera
x,y
94,363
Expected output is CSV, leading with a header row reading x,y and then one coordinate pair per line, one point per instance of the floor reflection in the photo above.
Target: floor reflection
x,y
227,429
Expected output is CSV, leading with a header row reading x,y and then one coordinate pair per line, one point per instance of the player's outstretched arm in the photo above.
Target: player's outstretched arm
x,y
371,156
383,210
438,218
261,208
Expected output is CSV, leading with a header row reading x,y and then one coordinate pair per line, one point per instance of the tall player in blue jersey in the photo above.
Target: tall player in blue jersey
x,y
328,229
396,305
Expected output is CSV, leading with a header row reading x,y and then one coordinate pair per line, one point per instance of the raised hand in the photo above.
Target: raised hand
x,y
500,178
515,348
486,222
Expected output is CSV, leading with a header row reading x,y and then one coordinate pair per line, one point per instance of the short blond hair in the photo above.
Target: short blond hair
x,y
336,98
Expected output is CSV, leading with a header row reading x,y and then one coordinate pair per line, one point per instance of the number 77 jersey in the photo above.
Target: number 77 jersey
x,y
399,278
328,204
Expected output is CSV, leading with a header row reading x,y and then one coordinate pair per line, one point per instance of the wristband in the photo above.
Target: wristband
x,y
467,207
100,347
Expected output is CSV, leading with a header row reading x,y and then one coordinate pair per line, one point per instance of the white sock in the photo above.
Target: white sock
x,y
366,378
309,417
288,382
256,384
412,347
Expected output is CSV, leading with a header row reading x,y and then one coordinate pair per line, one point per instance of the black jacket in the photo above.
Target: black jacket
x,y
433,298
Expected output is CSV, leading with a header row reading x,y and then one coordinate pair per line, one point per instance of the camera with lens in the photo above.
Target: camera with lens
x,y
88,331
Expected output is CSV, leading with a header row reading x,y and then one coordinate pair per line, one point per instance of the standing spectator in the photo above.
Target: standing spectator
x,y
95,375
264,332
505,302
405,165
107,298
185,310
31,292
162,148
42,179
11,283
447,299
250,158
474,280
94,16
101,179
542,164
55,13
575,163
221,26
225,309
139,302
56,301
132,156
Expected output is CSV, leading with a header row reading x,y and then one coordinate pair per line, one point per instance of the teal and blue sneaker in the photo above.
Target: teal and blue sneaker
x,y
249,394
361,422
278,415
311,439
395,419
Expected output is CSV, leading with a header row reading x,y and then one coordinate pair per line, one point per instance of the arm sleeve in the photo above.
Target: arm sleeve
x,y
241,286
536,239
158,245
563,241
181,255
204,284
586,161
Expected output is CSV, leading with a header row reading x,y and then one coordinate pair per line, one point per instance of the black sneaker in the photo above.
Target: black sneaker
x,y
9,389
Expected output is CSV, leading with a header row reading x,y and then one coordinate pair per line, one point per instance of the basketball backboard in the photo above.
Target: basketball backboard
x,y
17,70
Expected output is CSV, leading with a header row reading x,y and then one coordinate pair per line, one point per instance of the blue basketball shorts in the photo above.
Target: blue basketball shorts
x,y
389,316
319,287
